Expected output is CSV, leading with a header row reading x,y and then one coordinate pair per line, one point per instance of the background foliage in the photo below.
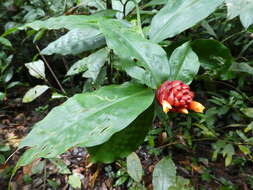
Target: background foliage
x,y
67,47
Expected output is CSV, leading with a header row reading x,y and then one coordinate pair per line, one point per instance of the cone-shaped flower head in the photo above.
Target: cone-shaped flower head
x,y
177,96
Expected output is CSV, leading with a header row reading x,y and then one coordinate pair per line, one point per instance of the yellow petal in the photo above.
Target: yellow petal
x,y
196,106
183,110
166,106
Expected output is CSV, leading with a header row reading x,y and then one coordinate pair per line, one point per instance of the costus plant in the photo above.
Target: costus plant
x,y
112,121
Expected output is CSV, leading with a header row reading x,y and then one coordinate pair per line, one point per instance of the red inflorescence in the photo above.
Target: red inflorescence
x,y
177,97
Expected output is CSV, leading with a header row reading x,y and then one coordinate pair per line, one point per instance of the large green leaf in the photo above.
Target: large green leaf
x,y
93,64
124,142
130,45
184,64
214,57
242,8
179,15
76,41
87,119
68,22
164,175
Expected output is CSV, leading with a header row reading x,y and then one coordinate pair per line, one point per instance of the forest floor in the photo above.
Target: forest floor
x,y
16,120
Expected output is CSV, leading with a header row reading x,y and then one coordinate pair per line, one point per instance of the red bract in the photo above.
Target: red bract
x,y
177,96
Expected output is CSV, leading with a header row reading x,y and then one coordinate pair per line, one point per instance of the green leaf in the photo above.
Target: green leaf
x,y
93,64
134,167
242,8
208,28
246,14
68,22
122,179
179,15
123,143
76,41
4,148
2,96
130,45
5,42
242,67
119,6
53,184
36,69
74,181
164,175
7,75
63,169
34,93
86,120
38,167
249,128
137,72
184,64
13,84
27,179
234,8
228,151
97,4
214,56
244,149
181,184
248,112
2,159
156,2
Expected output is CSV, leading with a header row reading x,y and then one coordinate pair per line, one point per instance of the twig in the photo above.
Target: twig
x,y
169,144
44,178
10,156
50,69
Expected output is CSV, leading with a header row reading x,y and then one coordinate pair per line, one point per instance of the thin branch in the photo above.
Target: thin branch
x,y
50,69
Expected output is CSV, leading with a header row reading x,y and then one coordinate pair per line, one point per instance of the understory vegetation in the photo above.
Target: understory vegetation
x,y
126,94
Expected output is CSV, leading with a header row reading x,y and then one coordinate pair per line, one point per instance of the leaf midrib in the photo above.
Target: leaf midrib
x,y
158,33
183,61
142,58
92,111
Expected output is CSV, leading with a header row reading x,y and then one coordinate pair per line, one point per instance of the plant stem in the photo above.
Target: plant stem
x,y
138,17
50,69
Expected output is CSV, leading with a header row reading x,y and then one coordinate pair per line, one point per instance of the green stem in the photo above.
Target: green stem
x,y
138,17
